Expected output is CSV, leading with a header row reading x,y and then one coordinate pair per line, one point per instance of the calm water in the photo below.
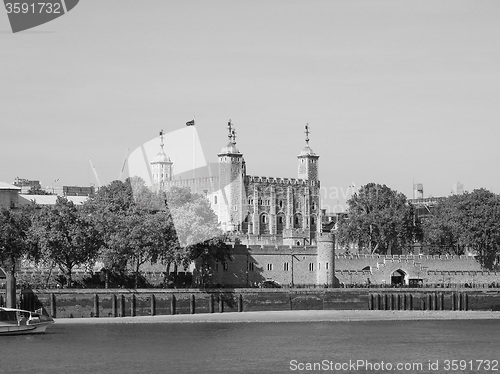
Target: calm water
x,y
244,347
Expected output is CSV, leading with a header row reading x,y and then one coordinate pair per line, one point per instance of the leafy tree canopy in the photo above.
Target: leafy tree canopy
x,y
469,221
66,236
15,241
379,219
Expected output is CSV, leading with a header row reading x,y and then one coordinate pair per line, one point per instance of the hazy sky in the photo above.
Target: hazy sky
x,y
393,90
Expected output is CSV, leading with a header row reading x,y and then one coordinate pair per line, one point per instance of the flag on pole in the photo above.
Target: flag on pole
x,y
190,123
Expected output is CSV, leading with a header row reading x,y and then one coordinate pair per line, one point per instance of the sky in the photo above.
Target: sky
x,y
394,92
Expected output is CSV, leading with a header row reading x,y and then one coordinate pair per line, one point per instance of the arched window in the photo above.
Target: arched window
x,y
280,223
215,200
297,221
264,224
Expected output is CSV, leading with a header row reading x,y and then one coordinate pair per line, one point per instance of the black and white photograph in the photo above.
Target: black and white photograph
x,y
230,186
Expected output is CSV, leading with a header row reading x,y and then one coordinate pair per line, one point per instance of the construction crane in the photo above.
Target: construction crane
x,y
123,166
99,185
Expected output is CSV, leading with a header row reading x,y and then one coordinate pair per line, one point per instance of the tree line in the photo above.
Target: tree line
x,y
123,226
381,220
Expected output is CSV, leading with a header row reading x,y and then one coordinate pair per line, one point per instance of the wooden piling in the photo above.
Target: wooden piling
x,y
96,306
192,304
153,305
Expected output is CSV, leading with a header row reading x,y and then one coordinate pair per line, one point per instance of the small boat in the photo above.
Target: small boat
x,y
18,321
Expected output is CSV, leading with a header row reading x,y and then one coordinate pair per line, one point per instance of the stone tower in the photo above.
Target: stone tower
x,y
231,178
308,161
161,167
325,261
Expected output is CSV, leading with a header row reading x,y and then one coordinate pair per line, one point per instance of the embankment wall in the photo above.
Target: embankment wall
x,y
121,302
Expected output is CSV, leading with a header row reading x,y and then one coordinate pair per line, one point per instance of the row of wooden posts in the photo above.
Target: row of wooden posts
x,y
119,309
406,301
376,301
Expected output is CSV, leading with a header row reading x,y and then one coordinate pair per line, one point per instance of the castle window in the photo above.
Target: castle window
x,y
260,201
270,267
215,200
280,219
326,266
313,206
297,221
235,208
281,203
225,266
268,202
285,266
250,266
311,266
297,205
264,218
312,220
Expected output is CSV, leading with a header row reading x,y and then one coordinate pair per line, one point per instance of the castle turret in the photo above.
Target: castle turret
x,y
161,167
231,176
325,261
308,161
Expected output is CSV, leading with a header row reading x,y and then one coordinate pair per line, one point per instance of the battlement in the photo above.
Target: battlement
x,y
192,181
405,257
277,249
281,181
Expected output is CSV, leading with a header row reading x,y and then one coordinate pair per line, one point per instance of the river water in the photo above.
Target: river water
x,y
252,347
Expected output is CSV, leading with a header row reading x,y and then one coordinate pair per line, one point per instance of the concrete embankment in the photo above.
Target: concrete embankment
x,y
293,316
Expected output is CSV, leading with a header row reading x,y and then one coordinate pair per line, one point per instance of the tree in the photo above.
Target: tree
x,y
198,237
38,191
15,244
206,253
108,209
472,221
379,219
175,228
441,230
133,224
66,236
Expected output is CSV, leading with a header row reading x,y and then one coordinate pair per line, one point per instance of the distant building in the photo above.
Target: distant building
x,y
78,191
26,184
457,189
9,195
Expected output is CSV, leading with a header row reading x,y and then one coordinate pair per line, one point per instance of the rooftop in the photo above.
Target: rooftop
x,y
8,186
49,199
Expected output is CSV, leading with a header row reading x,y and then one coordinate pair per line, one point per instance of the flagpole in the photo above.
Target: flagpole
x,y
194,147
